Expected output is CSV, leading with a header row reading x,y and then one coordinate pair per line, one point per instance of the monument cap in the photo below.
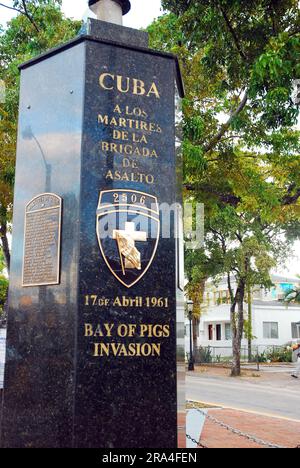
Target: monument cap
x,y
125,4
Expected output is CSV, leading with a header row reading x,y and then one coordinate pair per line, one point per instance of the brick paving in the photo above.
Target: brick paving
x,y
277,431
181,430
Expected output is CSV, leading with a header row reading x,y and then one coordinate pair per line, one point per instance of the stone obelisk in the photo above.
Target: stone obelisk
x,y
95,337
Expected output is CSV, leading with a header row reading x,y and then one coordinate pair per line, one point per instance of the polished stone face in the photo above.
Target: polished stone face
x,y
39,374
126,401
116,33
96,354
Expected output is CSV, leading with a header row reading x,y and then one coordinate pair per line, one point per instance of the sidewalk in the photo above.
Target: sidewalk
x,y
273,431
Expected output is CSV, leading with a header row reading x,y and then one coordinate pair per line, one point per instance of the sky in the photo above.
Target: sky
x,y
141,15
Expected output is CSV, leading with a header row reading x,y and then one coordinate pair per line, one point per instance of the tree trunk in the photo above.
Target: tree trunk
x,y
249,324
236,361
5,244
237,320
195,334
250,357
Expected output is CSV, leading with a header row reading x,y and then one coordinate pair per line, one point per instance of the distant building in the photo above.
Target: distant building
x,y
274,322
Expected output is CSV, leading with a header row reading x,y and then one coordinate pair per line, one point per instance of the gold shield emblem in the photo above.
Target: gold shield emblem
x,y
128,230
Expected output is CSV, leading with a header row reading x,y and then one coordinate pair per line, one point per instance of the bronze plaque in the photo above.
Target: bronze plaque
x,y
41,264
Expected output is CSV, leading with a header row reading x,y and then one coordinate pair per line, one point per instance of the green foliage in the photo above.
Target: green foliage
x,y
229,50
241,146
280,355
2,262
275,355
3,292
248,331
239,60
203,355
261,358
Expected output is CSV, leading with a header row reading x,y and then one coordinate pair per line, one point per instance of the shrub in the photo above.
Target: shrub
x,y
3,293
280,355
203,355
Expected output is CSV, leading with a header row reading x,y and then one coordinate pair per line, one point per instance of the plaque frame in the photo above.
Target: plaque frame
x,y
58,269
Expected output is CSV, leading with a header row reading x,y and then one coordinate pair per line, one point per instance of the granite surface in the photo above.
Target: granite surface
x,y
135,396
39,374
58,391
115,33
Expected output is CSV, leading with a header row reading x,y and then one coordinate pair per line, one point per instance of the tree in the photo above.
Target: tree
x,y
244,252
7,164
195,288
241,147
293,296
39,25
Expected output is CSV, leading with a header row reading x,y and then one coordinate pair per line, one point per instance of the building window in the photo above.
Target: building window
x,y
296,331
219,332
228,332
210,332
223,297
271,330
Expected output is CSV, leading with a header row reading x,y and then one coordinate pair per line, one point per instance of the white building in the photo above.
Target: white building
x,y
274,323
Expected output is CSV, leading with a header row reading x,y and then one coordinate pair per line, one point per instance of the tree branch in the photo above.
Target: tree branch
x,y
220,237
24,12
291,199
225,127
233,33
294,33
11,8
244,156
226,198
27,14
239,237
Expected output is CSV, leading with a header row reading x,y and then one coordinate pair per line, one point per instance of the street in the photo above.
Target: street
x,y
273,394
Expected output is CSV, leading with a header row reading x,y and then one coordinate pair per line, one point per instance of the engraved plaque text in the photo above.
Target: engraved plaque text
x,y
41,265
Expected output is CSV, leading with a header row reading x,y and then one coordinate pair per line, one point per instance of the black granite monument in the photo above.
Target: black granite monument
x,y
94,355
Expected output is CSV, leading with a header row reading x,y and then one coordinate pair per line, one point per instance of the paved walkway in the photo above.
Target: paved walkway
x,y
275,431
2,354
275,395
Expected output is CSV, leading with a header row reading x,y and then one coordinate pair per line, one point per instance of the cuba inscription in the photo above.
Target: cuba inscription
x,y
131,130
131,151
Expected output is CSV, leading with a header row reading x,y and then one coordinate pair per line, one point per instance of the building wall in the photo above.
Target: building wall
x,y
216,315
283,315
267,307
280,314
